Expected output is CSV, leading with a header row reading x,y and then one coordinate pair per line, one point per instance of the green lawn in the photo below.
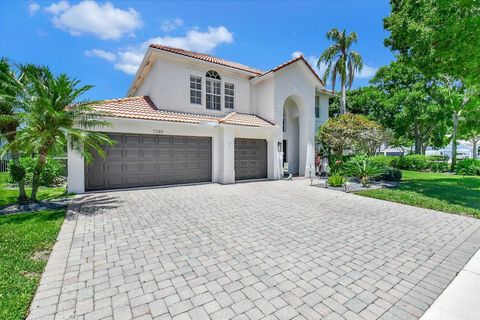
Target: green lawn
x,y
9,195
437,191
21,235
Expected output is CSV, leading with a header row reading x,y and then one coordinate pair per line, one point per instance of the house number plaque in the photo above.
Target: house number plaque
x,y
157,131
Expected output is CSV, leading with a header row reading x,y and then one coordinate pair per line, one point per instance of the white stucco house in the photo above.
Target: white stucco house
x,y
191,117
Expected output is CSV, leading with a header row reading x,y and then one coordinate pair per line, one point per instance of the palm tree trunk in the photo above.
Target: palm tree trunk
x,y
22,195
455,117
36,175
343,99
475,148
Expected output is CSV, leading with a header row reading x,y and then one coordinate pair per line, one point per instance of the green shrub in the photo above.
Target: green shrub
x,y
438,166
16,172
361,168
336,180
382,161
52,173
468,167
415,162
391,174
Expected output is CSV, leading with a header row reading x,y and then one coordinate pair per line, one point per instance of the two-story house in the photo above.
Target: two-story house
x,y
191,117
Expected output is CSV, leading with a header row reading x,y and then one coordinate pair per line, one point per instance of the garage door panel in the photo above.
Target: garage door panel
x,y
149,140
113,181
149,153
250,159
148,160
112,167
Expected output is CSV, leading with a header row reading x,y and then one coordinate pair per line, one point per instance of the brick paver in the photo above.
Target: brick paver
x,y
262,250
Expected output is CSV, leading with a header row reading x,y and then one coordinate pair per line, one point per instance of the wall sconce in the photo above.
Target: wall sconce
x,y
280,146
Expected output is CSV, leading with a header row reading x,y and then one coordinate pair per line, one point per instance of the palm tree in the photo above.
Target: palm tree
x,y
54,119
341,61
12,85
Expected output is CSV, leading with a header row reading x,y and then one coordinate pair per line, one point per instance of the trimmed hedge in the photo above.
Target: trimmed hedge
x,y
53,172
468,167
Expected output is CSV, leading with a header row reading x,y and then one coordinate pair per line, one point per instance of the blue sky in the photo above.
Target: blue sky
x,y
101,42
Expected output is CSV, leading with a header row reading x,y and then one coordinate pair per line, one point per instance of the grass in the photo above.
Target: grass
x,y
9,195
21,235
437,191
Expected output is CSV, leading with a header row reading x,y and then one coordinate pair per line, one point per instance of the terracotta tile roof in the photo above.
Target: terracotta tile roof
x,y
143,108
289,62
206,57
243,119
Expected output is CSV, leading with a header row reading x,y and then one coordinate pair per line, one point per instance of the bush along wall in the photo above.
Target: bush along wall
x,y
53,173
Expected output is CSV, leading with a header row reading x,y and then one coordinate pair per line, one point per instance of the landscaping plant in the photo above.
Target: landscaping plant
x,y
11,86
54,117
468,167
352,133
391,174
52,171
336,180
361,168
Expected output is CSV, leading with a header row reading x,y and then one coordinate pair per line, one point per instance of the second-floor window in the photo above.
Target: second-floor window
x,y
213,90
317,107
195,90
229,95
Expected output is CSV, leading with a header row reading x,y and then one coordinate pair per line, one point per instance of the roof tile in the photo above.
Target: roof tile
x,y
208,58
141,107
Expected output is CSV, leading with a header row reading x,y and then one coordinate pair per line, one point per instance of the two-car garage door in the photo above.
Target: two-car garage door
x,y
151,160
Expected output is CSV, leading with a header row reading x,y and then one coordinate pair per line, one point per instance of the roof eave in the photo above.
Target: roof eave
x,y
173,54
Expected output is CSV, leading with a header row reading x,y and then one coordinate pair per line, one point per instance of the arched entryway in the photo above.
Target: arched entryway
x,y
291,136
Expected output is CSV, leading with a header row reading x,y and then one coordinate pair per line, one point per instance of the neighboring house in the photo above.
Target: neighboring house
x,y
191,117
464,150
394,151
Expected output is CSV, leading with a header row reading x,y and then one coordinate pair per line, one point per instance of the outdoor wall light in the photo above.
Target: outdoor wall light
x,y
279,146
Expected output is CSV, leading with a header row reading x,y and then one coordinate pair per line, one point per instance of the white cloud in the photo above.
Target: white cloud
x,y
197,40
170,25
33,8
128,59
101,20
296,54
59,7
367,72
109,56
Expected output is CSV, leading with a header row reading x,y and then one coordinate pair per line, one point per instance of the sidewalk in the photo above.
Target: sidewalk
x,y
461,299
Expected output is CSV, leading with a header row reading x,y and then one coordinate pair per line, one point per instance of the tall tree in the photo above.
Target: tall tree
x,y
412,105
469,127
12,84
461,100
341,62
363,100
55,118
441,36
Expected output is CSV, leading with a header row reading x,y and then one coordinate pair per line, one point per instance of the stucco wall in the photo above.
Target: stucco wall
x,y
168,85
223,137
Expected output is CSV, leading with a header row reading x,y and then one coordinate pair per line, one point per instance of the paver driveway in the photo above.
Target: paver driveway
x,y
273,250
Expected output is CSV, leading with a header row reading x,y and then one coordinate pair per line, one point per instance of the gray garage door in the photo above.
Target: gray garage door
x,y
151,160
250,159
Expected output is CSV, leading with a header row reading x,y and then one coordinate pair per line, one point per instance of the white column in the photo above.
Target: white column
x,y
226,138
76,172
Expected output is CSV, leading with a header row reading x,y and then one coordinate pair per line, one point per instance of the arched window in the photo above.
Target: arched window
x,y
213,90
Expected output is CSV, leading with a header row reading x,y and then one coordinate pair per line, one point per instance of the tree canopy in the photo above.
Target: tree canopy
x,y
412,105
441,36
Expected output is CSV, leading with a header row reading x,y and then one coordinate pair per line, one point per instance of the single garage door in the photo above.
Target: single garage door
x,y
250,159
150,160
